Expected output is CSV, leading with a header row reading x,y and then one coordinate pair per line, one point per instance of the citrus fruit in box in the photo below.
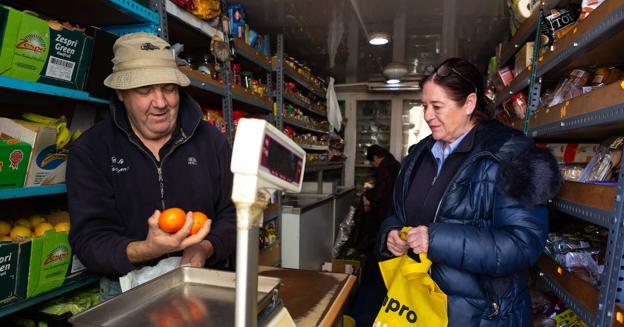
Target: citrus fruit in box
x,y
42,228
199,219
171,220
20,232
35,220
22,222
5,227
62,227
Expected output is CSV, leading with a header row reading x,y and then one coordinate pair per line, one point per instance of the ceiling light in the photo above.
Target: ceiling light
x,y
394,72
378,38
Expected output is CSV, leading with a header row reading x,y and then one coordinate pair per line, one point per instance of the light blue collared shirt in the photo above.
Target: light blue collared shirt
x,y
440,153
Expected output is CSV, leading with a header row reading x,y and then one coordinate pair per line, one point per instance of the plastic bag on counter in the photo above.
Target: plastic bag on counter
x,y
344,232
147,273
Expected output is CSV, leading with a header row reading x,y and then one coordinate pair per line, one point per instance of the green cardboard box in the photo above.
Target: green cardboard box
x,y
9,258
14,158
32,51
51,263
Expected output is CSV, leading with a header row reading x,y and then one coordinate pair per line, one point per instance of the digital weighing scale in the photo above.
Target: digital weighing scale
x,y
264,160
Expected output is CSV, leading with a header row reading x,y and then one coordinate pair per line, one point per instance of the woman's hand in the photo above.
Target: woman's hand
x,y
395,244
418,239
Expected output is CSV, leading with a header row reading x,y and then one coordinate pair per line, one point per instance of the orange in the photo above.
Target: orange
x,y
5,238
19,232
23,222
42,228
199,219
35,220
62,227
171,220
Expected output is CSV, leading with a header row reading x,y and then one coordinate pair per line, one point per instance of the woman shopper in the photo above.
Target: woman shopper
x,y
474,191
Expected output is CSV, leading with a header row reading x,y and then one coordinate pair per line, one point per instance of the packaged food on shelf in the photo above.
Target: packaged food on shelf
x,y
236,13
587,6
215,117
571,152
186,4
605,75
518,103
206,9
555,24
568,88
9,260
14,158
524,57
47,162
506,75
571,172
36,50
605,163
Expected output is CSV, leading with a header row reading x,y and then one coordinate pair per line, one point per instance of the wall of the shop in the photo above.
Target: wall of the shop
x,y
396,133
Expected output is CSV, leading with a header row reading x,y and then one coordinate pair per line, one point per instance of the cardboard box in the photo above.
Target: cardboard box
x,y
524,57
342,266
46,163
51,263
32,51
14,158
12,270
572,152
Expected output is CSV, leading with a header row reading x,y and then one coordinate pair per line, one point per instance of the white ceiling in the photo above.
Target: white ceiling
x,y
428,31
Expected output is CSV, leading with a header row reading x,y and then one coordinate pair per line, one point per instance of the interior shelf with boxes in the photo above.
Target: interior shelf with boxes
x,y
581,121
65,81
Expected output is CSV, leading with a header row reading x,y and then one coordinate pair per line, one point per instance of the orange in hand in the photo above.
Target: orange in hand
x,y
199,219
172,219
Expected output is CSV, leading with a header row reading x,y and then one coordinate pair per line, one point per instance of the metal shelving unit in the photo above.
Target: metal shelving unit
x,y
24,192
118,15
315,167
306,106
77,283
314,147
301,125
40,88
596,115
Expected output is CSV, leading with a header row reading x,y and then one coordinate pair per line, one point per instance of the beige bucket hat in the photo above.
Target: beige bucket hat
x,y
143,59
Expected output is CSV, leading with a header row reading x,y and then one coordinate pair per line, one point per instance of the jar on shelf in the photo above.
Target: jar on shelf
x,y
236,76
247,80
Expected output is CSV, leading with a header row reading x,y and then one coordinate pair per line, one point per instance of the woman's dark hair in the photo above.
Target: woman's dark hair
x,y
376,150
459,79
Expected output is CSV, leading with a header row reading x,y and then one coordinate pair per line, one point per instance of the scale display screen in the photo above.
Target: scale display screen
x,y
280,162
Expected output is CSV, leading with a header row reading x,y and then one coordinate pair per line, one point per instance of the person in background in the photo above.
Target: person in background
x,y
474,192
152,153
377,204
379,198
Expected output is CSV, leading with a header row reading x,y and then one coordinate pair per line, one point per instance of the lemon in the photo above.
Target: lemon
x,y
23,222
20,232
62,227
5,238
35,220
42,228
5,227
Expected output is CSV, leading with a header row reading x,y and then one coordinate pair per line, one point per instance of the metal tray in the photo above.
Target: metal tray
x,y
185,296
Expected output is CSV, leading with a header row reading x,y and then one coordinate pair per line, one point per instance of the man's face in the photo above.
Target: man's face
x,y
152,110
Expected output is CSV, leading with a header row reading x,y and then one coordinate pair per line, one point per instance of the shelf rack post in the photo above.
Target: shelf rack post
x,y
613,275
227,101
279,83
163,27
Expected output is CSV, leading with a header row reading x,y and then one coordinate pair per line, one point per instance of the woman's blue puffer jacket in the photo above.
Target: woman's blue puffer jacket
x,y
489,228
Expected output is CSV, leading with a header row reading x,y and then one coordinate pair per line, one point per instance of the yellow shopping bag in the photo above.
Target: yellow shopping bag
x,y
413,298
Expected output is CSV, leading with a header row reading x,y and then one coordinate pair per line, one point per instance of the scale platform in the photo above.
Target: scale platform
x,y
185,296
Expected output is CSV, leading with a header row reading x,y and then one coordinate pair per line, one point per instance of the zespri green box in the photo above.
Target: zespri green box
x,y
14,158
32,51
51,263
11,265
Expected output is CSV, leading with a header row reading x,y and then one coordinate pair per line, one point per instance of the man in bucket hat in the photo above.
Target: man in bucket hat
x,y
152,153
